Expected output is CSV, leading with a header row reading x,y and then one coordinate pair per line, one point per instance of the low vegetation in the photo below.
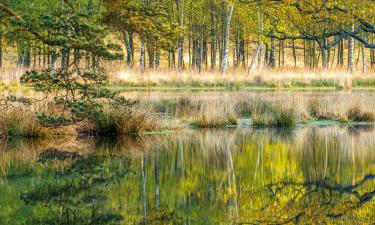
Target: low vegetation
x,y
356,114
214,115
21,124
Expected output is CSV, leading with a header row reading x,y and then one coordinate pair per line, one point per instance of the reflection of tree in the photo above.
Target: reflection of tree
x,y
76,193
315,201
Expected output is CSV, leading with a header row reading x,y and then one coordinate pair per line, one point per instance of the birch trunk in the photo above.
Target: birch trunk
x,y
128,48
224,66
181,39
351,53
142,58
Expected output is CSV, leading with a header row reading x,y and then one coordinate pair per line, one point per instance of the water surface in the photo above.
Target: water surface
x,y
310,175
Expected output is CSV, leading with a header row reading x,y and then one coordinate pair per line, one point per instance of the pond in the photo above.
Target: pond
x,y
309,175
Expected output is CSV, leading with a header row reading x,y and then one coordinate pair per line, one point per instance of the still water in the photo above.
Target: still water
x,y
310,175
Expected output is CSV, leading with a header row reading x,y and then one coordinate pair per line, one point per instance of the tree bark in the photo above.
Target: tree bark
x,y
181,39
224,66
351,53
142,58
271,59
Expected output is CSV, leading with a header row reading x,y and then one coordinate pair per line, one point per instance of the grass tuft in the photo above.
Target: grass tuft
x,y
355,114
117,123
214,115
21,124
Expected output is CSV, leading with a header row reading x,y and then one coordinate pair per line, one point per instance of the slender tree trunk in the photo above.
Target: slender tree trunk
x,y
364,65
351,53
54,58
294,53
157,59
272,61
129,56
1,50
142,58
224,66
181,39
213,41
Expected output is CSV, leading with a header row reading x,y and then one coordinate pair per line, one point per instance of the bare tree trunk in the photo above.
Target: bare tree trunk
x,y
213,42
157,59
271,60
126,39
142,58
1,50
181,39
294,53
224,66
364,65
351,53
258,51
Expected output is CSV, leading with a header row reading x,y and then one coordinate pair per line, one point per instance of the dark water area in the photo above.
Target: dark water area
x,y
309,175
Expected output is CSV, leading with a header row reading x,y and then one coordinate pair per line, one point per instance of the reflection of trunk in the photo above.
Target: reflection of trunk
x,y
258,162
144,200
181,164
232,180
156,174
226,44
326,156
354,165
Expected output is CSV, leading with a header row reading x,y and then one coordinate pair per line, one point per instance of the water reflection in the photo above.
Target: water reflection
x,y
309,176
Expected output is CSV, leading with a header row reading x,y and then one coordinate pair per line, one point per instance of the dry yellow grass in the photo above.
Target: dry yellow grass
x,y
287,77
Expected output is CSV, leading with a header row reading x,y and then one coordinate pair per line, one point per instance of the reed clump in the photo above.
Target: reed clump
x,y
214,115
275,116
113,122
20,123
356,114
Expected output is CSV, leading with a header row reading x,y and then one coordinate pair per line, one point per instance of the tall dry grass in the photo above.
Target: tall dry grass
x,y
236,79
